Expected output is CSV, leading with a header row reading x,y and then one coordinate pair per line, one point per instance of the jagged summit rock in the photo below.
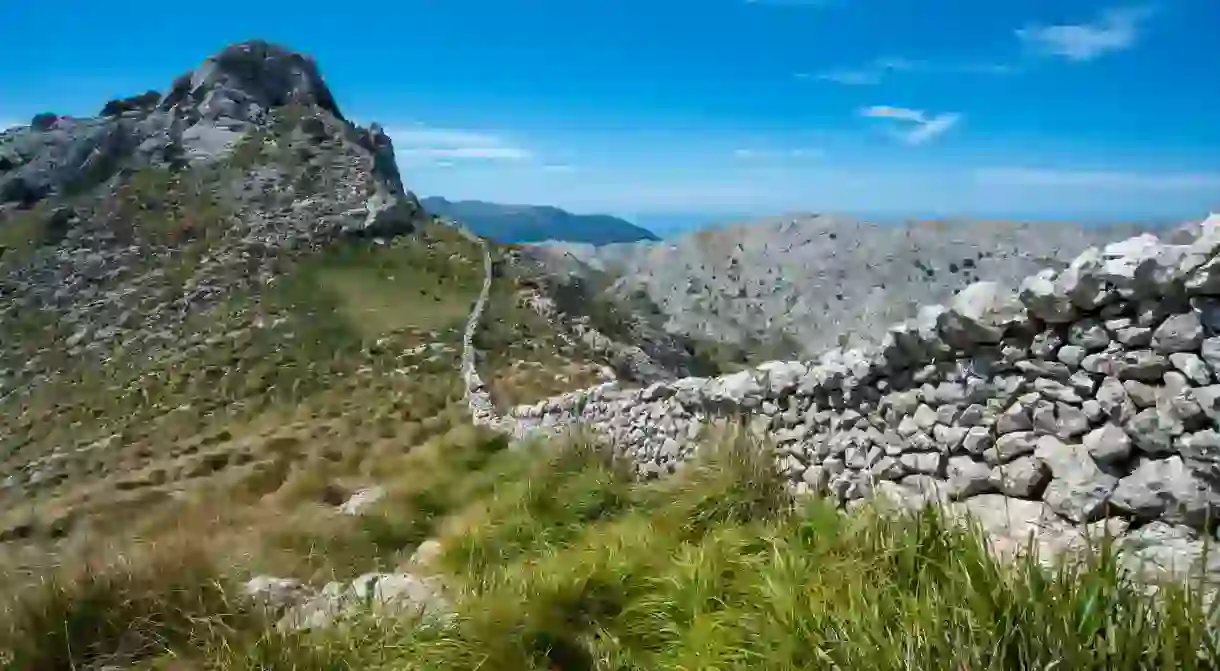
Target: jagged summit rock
x,y
203,117
244,80
122,226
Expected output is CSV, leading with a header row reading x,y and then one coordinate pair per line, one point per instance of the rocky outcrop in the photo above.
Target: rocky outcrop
x,y
139,221
203,117
1088,401
630,360
245,80
398,595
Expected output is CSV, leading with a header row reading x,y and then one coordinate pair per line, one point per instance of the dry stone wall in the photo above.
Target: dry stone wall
x,y
482,410
1087,398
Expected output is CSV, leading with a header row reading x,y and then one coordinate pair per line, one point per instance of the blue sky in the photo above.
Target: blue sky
x,y
669,110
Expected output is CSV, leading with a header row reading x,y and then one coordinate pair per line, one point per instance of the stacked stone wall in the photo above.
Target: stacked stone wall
x,y
1086,398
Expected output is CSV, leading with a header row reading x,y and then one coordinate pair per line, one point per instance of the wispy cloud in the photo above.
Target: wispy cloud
x,y
868,75
931,128
852,77
559,167
747,154
1148,181
888,112
926,128
428,144
1114,30
490,153
877,70
6,124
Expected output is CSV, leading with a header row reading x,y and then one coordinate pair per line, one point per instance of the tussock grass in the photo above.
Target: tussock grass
x,y
574,566
141,602
558,558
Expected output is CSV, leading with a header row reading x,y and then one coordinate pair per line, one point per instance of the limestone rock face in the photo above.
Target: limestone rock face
x,y
203,117
981,313
402,596
164,208
804,283
244,80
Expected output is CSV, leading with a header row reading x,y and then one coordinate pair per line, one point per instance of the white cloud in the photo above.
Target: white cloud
x,y
931,128
425,144
868,75
888,112
6,124
1103,179
852,77
1114,30
926,127
771,154
489,152
559,167
876,71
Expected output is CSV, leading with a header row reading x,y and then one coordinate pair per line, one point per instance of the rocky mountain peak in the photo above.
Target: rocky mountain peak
x,y
204,115
119,228
244,80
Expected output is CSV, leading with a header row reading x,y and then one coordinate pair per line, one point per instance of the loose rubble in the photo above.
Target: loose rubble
x,y
399,595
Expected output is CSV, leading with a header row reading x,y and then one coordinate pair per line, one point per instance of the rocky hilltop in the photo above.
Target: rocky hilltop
x,y
185,197
183,263
799,284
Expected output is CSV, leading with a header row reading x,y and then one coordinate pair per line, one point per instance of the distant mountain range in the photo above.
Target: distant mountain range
x,y
536,223
792,285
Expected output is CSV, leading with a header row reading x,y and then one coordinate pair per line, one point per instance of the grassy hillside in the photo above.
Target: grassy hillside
x,y
557,560
349,356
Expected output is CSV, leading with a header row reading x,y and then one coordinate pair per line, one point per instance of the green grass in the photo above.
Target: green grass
x,y
559,560
712,571
131,606
318,359
410,285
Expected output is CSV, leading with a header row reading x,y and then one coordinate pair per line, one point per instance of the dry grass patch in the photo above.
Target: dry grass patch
x,y
134,604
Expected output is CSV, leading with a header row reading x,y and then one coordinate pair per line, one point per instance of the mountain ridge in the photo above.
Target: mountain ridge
x,y
521,224
817,278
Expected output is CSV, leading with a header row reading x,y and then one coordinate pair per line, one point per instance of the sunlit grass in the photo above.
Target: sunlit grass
x,y
559,559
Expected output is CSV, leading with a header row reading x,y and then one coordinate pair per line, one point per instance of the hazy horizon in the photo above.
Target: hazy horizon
x,y
665,224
